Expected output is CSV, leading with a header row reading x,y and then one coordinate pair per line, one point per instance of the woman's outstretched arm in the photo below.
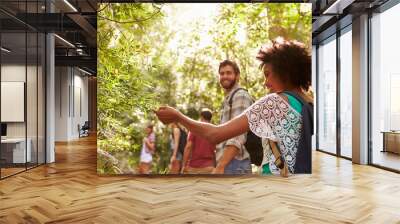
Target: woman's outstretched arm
x,y
214,134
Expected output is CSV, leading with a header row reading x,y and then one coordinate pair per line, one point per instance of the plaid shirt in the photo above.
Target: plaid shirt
x,y
241,101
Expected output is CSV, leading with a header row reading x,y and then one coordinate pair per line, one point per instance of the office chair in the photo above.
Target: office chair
x,y
84,130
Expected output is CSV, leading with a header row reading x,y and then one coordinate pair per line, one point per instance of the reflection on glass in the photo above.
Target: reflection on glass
x,y
41,99
385,85
346,94
314,90
31,101
22,89
327,96
14,151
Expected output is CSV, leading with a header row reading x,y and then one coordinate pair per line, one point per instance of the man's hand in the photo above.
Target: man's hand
x,y
230,152
218,170
168,115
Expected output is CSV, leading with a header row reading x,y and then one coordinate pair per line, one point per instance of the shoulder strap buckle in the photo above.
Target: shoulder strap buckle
x,y
279,160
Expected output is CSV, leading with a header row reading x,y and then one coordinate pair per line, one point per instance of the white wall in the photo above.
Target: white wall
x,y
62,81
81,83
34,125
12,73
70,83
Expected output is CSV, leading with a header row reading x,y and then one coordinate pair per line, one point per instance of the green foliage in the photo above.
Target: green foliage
x,y
107,164
138,70
129,75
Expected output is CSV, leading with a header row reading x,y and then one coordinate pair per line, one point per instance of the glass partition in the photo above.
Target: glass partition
x,y
327,95
22,89
346,93
385,89
14,153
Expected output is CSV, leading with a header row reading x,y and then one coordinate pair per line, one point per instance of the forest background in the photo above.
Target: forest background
x,y
168,54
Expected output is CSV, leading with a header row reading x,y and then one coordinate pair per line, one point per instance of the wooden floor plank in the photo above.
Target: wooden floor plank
x,y
70,191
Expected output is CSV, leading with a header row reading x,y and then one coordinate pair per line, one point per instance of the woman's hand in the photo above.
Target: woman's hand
x,y
173,158
144,143
168,114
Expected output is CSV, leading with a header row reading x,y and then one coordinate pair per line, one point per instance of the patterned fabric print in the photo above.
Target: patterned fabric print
x,y
271,117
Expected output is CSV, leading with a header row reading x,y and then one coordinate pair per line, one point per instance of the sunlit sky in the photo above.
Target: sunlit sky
x,y
180,17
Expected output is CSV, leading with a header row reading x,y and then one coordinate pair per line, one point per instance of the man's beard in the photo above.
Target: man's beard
x,y
230,86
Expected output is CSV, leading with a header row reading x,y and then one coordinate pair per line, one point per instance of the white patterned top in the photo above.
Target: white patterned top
x,y
273,118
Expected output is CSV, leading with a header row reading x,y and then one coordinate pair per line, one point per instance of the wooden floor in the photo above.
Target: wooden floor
x,y
5,172
69,191
10,171
387,159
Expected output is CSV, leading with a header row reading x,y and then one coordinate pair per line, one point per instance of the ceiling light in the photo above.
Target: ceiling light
x,y
79,51
5,50
337,7
65,41
70,5
84,71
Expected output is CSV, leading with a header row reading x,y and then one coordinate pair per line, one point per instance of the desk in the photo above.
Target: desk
x,y
391,141
13,150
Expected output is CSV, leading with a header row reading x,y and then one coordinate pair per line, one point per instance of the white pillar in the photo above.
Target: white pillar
x,y
50,100
50,92
360,90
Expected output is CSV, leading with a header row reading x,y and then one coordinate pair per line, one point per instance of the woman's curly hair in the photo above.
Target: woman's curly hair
x,y
290,60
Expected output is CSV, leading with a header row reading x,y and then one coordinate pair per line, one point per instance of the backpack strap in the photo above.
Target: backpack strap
x,y
231,100
296,96
279,160
308,105
303,156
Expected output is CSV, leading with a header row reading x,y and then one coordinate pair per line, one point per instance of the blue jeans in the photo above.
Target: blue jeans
x,y
238,167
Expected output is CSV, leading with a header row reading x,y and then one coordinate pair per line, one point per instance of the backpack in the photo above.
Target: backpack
x,y
253,143
303,155
182,141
